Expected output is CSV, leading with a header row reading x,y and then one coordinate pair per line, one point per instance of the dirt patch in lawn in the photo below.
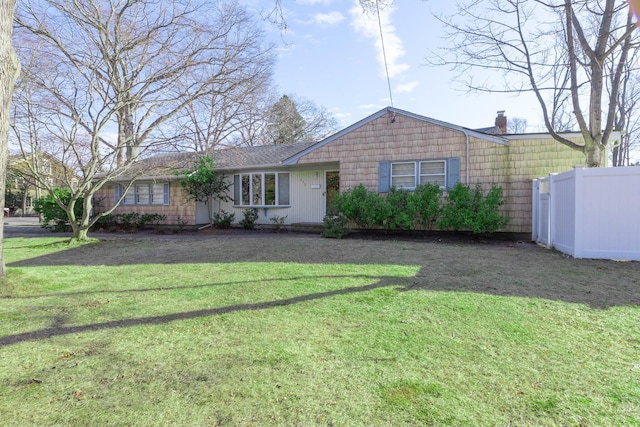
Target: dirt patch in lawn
x,y
447,263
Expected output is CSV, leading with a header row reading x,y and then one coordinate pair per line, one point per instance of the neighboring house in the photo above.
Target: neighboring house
x,y
389,148
25,188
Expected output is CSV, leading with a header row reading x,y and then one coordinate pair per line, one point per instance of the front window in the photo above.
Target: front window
x,y
403,175
409,175
144,194
433,172
261,189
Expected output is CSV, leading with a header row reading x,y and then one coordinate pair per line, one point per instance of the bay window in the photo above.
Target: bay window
x,y
261,189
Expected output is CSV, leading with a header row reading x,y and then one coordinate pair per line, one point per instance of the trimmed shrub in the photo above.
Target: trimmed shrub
x,y
250,216
426,202
278,221
365,208
223,219
463,208
469,209
398,212
335,225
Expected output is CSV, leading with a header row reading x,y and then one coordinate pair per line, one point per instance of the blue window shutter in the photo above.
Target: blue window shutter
x,y
453,171
384,177
118,192
166,194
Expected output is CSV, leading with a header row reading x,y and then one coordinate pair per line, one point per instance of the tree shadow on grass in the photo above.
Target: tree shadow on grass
x,y
579,292
178,288
520,270
59,330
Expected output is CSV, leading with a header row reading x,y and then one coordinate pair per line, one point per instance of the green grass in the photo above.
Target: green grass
x,y
251,343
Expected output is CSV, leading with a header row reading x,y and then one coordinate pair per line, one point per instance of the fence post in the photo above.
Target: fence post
x,y
534,209
578,209
551,223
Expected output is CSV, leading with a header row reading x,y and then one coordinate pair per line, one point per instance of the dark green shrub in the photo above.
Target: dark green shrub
x,y
469,209
396,210
153,219
278,221
488,218
223,219
128,220
107,222
365,208
250,216
335,225
426,202
53,216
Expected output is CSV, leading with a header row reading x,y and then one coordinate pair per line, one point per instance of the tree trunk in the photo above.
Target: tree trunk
x,y
25,195
80,233
9,70
593,152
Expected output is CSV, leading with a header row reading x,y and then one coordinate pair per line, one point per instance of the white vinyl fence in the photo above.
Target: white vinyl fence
x,y
589,213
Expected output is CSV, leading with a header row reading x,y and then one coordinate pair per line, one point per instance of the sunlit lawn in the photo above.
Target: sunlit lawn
x,y
250,343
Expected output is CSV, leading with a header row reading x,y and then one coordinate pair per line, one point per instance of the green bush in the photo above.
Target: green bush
x,y
365,208
153,219
223,219
128,220
335,225
462,209
106,222
53,216
278,221
250,216
467,209
426,202
398,212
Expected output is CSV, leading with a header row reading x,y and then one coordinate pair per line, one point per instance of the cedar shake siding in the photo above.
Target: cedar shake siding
x,y
180,208
397,137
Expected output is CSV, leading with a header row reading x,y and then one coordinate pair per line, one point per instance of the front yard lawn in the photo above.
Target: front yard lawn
x,y
302,331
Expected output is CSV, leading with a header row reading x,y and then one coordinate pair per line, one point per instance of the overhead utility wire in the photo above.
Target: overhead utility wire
x,y
384,53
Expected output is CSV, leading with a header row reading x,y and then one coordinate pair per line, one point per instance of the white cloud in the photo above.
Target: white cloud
x,y
372,106
330,18
314,2
368,25
407,87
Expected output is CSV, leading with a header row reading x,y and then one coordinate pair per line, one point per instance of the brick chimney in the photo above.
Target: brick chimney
x,y
501,121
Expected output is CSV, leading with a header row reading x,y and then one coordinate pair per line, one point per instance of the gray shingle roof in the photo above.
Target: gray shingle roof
x,y
164,165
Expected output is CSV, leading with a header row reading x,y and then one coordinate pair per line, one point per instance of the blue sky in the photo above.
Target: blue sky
x,y
331,55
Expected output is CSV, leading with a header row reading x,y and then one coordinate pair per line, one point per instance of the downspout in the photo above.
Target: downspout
x,y
466,157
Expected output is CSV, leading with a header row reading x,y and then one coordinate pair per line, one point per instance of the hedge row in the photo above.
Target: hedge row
x,y
463,208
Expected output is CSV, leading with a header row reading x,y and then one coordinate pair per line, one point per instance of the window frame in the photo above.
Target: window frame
x,y
413,175
417,172
259,201
443,174
451,173
132,197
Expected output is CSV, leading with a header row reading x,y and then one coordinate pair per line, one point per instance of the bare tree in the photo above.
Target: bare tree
x,y
555,49
105,77
517,125
628,111
9,70
151,58
219,118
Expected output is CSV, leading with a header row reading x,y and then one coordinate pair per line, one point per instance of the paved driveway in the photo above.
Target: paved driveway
x,y
27,226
